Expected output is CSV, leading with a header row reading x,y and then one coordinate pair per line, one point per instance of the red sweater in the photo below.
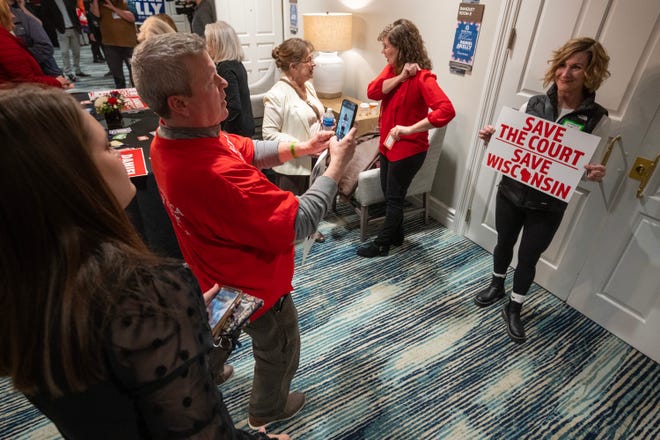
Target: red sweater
x,y
407,104
18,65
234,227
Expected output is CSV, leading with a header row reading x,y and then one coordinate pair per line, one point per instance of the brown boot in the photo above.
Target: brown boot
x,y
294,404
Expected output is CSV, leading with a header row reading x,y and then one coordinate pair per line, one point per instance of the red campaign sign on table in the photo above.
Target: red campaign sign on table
x,y
541,154
133,159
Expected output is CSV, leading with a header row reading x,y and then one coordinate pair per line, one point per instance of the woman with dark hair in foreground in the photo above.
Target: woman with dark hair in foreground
x,y
106,339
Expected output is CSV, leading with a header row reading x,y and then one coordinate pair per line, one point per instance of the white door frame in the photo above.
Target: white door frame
x,y
505,39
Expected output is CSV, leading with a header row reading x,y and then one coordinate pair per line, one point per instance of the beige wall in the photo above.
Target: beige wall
x,y
436,21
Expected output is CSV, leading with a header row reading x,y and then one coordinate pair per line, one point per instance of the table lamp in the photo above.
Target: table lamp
x,y
329,33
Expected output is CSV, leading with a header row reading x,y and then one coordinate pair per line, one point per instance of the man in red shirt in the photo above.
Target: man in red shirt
x,y
234,226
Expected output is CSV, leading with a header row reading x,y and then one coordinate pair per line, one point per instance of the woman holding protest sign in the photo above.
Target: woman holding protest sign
x,y
576,71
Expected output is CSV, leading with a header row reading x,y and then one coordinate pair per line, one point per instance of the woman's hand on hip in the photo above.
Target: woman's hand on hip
x,y
400,130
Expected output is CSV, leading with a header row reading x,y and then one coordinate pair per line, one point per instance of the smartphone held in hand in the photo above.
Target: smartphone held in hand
x,y
229,311
221,307
346,120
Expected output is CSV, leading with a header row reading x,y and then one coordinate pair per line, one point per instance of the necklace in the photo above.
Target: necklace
x,y
300,95
301,91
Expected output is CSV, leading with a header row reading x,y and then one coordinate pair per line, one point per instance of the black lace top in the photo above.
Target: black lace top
x,y
160,385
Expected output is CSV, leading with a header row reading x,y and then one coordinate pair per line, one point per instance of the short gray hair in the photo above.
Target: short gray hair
x,y
160,68
222,42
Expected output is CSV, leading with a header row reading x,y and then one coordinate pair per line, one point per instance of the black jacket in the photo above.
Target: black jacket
x,y
53,17
587,115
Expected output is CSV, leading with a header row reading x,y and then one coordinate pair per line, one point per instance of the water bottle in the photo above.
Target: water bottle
x,y
328,119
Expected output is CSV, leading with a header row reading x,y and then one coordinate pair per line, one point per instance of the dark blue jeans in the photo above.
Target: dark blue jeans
x,y
50,67
538,229
395,179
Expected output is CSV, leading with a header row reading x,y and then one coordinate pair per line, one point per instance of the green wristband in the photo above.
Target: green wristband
x,y
293,150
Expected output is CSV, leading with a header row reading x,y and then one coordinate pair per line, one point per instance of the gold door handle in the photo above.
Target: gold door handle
x,y
610,146
642,170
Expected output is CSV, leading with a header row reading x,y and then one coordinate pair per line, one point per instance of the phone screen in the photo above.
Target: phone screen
x,y
346,118
221,303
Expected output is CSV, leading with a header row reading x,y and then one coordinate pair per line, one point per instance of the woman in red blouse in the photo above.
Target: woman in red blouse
x,y
16,63
408,89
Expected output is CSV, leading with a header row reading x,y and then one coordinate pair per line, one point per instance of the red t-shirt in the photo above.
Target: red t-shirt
x,y
233,225
406,105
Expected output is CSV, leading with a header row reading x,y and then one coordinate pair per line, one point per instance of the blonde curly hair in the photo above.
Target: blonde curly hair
x,y
596,71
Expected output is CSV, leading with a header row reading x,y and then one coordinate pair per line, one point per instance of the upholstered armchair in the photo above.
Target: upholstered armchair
x,y
258,90
368,191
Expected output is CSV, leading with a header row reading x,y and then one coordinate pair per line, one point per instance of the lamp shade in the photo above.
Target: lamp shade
x,y
329,32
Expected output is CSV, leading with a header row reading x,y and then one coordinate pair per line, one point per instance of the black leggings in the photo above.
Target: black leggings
x,y
539,228
395,178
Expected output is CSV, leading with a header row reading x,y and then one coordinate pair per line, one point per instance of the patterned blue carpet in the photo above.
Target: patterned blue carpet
x,y
394,348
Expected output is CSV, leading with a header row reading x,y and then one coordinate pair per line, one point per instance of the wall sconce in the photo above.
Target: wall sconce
x,y
329,33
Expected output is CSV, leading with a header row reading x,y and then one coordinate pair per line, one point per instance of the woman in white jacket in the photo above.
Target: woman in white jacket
x,y
292,111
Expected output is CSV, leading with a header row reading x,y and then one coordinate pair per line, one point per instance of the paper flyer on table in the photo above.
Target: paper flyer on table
x,y
317,171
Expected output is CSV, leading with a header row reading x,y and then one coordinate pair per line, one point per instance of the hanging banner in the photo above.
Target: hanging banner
x,y
148,8
541,154
293,16
465,38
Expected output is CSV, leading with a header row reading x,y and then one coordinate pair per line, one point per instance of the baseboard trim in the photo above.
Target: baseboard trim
x,y
439,211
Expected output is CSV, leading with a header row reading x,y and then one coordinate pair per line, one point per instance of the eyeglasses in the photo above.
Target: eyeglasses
x,y
306,60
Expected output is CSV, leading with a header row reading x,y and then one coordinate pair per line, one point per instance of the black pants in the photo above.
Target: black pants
x,y
116,56
95,40
538,230
395,179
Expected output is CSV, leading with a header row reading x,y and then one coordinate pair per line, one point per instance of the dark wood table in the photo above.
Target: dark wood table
x,y
146,210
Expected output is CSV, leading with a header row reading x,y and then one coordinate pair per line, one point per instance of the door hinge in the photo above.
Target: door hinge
x,y
468,215
512,40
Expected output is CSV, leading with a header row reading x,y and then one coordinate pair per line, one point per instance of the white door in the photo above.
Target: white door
x,y
629,32
181,20
259,26
619,286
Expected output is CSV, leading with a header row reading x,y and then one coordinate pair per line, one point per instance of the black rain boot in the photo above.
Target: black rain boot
x,y
514,327
371,249
397,240
491,294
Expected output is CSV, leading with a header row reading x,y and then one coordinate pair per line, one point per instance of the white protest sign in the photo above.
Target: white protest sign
x,y
541,154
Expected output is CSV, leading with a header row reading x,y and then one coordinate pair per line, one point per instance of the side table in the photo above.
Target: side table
x,y
364,122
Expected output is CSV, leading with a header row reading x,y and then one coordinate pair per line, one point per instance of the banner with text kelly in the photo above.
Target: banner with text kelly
x,y
539,153
147,8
